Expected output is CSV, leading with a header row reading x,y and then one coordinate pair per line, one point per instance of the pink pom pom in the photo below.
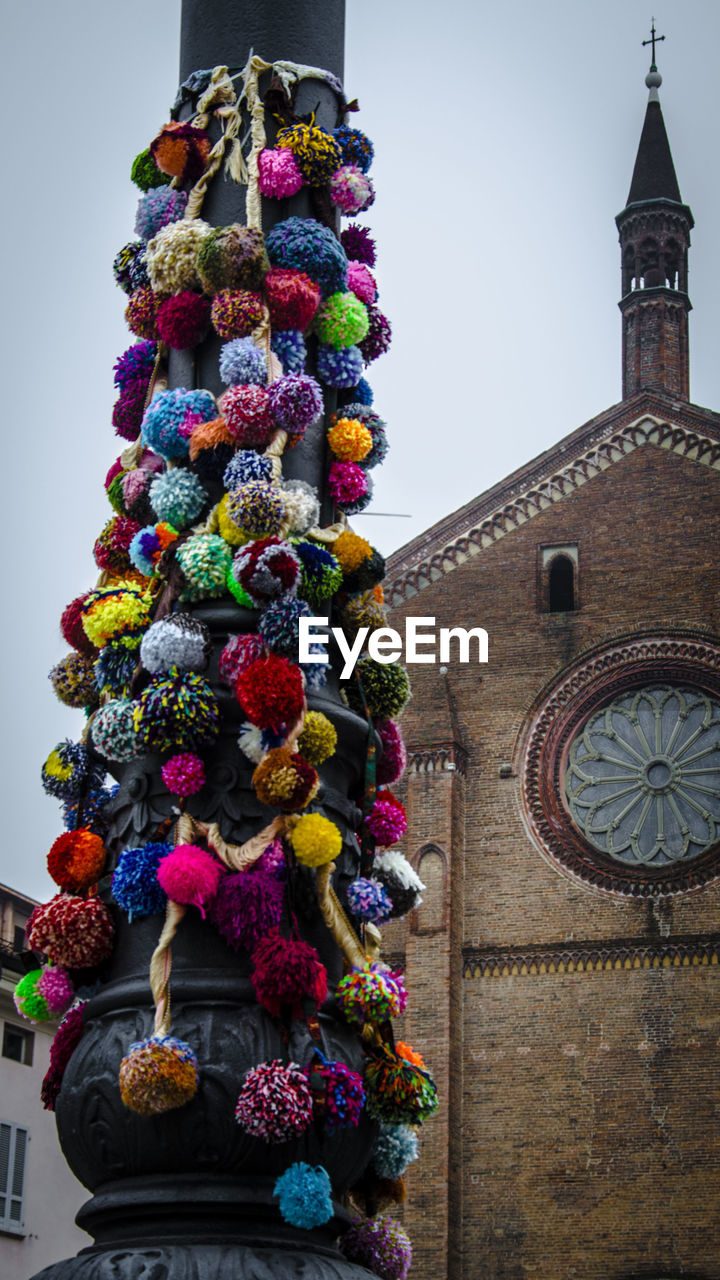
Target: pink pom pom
x,y
361,282
393,760
346,483
387,820
246,410
190,876
238,653
278,173
351,190
184,774
57,990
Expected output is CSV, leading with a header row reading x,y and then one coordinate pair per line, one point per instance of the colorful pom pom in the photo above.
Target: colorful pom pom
x,y
292,298
181,150
302,507
183,319
235,313
349,440
135,884
67,1038
141,313
288,975
318,739
237,654
351,191
170,418
184,774
343,1092
76,860
339,368
296,402
246,410
232,257
158,207
145,173
278,174
283,780
361,282
275,1103
74,933
368,900
177,710
317,153
387,820
305,1195
171,256
380,1244
378,337
73,681
68,771
358,244
257,509
111,548
355,146
347,482
397,1091
205,560
321,574
386,688
190,875
246,465
56,989
248,905
308,246
270,692
178,640
315,840
396,1148
158,1075
71,626
113,730
242,362
393,759
289,347
372,994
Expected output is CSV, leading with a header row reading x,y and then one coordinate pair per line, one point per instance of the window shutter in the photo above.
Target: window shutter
x,y
13,1152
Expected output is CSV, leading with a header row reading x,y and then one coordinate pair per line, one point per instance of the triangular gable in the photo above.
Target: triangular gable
x,y
694,433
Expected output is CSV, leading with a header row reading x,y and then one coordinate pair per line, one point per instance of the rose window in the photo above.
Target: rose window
x,y
643,776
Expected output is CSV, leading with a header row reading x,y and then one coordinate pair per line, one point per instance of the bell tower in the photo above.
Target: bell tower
x,y
654,232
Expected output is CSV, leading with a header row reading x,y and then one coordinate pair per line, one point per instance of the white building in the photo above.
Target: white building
x,y
39,1196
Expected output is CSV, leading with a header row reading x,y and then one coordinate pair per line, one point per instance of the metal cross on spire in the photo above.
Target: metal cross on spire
x,y
653,41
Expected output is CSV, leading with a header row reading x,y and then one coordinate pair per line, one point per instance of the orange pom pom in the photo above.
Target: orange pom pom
x,y
76,860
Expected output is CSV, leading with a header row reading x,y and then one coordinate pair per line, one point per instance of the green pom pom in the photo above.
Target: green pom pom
x,y
115,494
239,592
342,321
386,688
145,173
27,1000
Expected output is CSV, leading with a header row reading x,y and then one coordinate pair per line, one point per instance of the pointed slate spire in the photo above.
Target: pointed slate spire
x,y
654,173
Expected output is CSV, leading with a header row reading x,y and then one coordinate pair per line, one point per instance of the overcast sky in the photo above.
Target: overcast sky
x,y
505,139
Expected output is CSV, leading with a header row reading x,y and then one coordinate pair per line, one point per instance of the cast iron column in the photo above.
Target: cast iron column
x,y
188,1195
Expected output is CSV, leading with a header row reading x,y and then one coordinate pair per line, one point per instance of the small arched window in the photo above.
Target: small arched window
x,y
561,585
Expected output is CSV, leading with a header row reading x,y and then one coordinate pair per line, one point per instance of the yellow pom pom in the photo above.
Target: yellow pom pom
x,y
318,740
351,550
227,527
350,440
315,840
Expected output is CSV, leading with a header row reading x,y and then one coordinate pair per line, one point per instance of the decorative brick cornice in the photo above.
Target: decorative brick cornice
x,y
590,957
497,521
437,757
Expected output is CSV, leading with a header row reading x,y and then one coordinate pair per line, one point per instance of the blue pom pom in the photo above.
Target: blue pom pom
x,y
396,1148
170,418
137,362
114,668
141,550
134,883
339,368
68,770
355,146
305,1195
241,362
368,900
156,209
364,392
177,496
308,246
246,465
279,625
94,811
289,347
315,673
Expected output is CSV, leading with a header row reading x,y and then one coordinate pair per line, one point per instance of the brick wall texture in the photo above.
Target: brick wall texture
x,y
579,1129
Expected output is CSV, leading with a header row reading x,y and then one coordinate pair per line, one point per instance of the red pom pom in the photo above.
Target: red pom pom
x,y
387,820
270,692
292,298
183,319
288,972
75,933
72,628
76,860
246,410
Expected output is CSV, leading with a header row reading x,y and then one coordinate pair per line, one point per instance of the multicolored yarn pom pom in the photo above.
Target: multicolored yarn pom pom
x,y
179,640
386,688
295,403
248,906
275,1103
339,368
355,146
145,173
347,482
114,669
158,1075
396,1148
343,1092
305,1195
266,569
113,730
74,933
246,465
184,774
362,282
351,191
292,298
403,884
279,625
372,994
205,561
92,810
242,362
387,820
397,1091
368,900
246,410
289,347
181,150
178,710
149,546
315,840
238,653
76,860
68,771
170,417
43,994
302,506
141,313
283,780
236,312
308,246
135,884
171,256
316,151
158,207
378,337
380,1244
73,681
288,975
232,257
278,174
190,875
67,1038
393,760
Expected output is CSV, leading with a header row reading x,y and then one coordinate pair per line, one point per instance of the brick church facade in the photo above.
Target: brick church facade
x,y
564,813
